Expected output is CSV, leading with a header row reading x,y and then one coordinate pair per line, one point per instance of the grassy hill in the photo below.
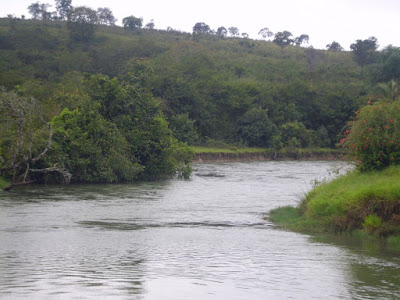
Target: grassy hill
x,y
216,88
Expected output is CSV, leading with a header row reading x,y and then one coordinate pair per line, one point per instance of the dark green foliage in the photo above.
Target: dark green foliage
x,y
184,129
205,88
63,7
387,67
138,117
92,148
363,51
295,134
334,46
283,39
81,23
201,28
256,129
132,22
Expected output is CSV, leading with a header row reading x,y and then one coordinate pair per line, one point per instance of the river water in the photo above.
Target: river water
x,y
200,239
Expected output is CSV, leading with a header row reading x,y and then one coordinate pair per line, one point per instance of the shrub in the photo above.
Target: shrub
x,y
372,140
371,223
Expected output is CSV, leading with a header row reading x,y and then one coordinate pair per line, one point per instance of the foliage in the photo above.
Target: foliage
x,y
201,28
184,129
39,11
20,135
334,46
304,38
283,39
256,129
81,21
137,116
132,22
105,16
373,139
63,7
353,201
222,31
371,223
92,148
234,31
363,51
214,82
265,32
295,134
388,66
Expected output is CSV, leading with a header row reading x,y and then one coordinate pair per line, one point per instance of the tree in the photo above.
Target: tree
x,y
150,25
295,134
91,147
81,22
388,65
234,31
390,90
39,11
201,28
312,58
34,10
63,8
283,39
363,51
334,46
372,140
221,31
256,129
25,139
304,38
265,32
132,22
184,129
245,35
105,16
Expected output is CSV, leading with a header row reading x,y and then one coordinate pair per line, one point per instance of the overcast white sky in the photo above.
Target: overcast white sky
x,y
323,20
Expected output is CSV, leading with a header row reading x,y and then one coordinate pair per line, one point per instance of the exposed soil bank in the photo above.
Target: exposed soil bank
x,y
267,155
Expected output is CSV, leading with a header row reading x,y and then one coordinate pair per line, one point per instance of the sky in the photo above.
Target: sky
x,y
343,21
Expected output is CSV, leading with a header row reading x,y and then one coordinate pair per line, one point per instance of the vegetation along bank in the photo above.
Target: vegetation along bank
x,y
83,100
366,199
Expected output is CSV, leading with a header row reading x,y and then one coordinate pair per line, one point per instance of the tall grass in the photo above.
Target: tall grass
x,y
365,201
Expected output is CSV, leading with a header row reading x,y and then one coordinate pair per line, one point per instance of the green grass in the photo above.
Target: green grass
x,y
227,150
355,201
3,183
282,154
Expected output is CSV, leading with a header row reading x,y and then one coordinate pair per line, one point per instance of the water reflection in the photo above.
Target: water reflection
x,y
373,268
199,239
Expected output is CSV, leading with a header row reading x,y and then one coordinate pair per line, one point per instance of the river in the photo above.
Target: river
x,y
205,238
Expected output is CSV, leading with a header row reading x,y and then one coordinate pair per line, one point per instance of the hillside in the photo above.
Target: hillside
x,y
220,88
122,104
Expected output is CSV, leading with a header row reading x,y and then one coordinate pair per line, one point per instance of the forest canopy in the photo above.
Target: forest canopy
x,y
116,104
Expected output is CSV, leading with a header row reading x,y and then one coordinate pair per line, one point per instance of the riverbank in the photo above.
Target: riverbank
x,y
3,183
206,154
366,203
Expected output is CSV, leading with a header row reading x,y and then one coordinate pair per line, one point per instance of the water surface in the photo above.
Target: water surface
x,y
200,239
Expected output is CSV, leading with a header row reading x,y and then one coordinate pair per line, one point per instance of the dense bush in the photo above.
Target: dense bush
x,y
372,140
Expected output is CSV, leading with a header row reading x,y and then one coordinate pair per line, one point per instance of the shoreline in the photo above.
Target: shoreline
x,y
266,155
361,203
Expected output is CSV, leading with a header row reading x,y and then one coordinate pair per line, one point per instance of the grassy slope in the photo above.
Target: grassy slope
x,y
347,203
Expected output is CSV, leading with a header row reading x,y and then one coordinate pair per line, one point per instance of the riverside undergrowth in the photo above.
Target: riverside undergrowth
x,y
357,201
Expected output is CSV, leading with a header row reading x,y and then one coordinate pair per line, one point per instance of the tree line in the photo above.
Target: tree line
x,y
120,104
